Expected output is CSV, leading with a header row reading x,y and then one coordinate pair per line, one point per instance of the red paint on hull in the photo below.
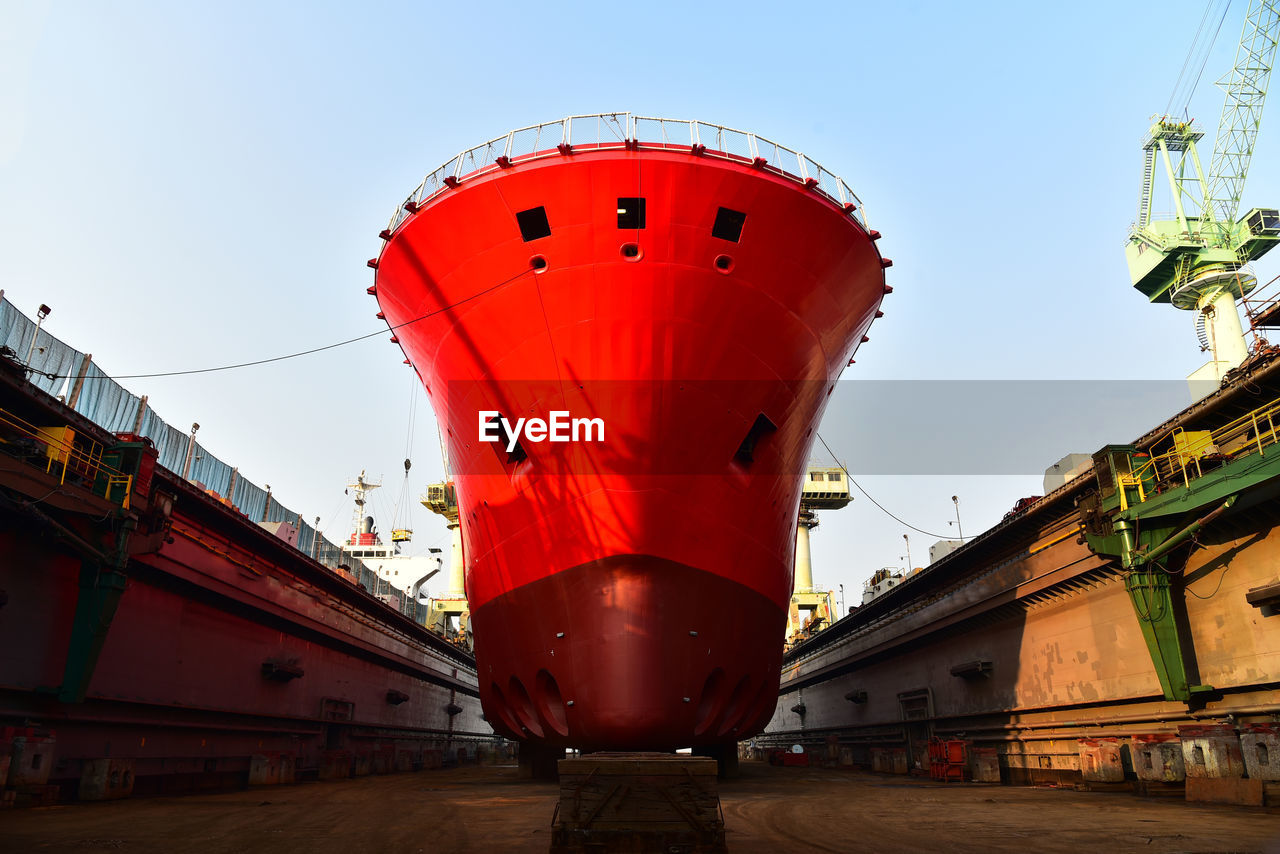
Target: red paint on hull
x,y
631,650
628,545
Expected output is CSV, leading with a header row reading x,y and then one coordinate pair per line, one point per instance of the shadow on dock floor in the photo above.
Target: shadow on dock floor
x,y
767,809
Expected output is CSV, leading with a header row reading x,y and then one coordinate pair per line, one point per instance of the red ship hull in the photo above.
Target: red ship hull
x,y
630,593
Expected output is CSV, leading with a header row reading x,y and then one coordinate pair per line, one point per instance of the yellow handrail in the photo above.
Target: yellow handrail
x,y
64,453
1252,432
124,480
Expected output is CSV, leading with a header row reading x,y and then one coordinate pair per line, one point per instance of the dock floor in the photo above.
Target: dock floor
x,y
767,810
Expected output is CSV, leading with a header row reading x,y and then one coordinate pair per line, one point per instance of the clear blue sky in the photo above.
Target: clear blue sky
x,y
194,184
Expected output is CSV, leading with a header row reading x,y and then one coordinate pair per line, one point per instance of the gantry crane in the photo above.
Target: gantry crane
x,y
825,488
449,614
1197,259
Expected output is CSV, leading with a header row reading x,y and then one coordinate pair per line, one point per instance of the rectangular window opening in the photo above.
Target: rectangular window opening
x,y
759,430
533,224
728,224
631,212
517,453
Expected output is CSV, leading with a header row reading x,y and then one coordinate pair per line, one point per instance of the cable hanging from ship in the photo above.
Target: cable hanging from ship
x,y
300,353
401,524
884,509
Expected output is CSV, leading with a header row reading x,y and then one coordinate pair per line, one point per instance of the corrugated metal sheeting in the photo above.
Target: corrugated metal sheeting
x,y
56,367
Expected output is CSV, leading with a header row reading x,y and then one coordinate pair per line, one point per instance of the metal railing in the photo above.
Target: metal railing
x,y
605,131
1189,452
65,453
1259,303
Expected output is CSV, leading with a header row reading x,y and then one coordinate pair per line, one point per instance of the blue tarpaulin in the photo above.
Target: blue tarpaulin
x,y
57,369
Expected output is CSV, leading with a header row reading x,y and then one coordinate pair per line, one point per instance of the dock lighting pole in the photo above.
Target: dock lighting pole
x,y
41,313
191,448
907,540
841,600
266,508
956,501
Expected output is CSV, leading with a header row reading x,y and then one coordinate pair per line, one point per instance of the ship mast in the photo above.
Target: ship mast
x,y
362,487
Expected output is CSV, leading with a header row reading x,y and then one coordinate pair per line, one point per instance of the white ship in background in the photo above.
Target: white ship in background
x,y
401,577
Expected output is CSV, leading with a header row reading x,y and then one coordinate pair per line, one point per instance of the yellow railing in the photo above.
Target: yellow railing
x,y
68,453
124,482
1189,450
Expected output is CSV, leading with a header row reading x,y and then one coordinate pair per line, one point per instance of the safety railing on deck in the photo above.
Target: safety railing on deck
x,y
1190,453
65,454
1262,309
623,130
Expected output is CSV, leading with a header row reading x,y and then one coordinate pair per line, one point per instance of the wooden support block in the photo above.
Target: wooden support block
x,y
638,802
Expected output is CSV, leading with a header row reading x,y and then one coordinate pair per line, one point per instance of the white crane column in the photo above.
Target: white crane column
x,y
804,558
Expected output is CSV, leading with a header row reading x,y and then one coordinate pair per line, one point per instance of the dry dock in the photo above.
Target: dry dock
x,y
155,637
1124,628
767,809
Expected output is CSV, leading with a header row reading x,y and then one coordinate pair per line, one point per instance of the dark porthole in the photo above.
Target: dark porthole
x,y
533,224
631,251
538,263
728,225
724,263
630,212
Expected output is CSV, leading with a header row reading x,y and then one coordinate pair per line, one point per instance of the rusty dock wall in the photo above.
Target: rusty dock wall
x,y
1029,646
155,639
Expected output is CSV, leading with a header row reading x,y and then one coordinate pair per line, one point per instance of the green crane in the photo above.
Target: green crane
x,y
1196,258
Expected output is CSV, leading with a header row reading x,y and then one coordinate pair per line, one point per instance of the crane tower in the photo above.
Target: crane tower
x,y
449,614
1196,256
825,488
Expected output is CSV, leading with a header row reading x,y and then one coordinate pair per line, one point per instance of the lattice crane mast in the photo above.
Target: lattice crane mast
x,y
1197,259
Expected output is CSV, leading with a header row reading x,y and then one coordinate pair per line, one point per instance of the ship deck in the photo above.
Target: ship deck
x,y
767,809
